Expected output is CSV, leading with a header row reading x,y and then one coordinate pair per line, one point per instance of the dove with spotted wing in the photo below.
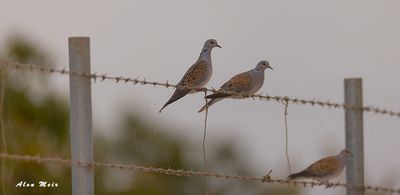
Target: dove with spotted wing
x,y
198,74
246,83
325,169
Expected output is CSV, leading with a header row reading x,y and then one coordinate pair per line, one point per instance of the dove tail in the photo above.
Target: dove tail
x,y
217,95
299,175
209,103
178,94
165,105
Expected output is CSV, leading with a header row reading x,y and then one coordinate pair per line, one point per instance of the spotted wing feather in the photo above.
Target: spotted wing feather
x,y
320,169
324,167
240,83
195,76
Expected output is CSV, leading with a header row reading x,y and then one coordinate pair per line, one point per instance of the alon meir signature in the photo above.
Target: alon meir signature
x,y
40,184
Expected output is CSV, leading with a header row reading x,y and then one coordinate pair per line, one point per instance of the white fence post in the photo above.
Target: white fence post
x,y
81,116
354,134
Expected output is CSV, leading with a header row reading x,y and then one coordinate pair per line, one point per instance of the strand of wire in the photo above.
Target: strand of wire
x,y
191,173
204,143
287,137
118,79
285,112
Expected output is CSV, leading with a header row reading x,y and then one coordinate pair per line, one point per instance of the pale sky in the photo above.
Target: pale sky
x,y
311,44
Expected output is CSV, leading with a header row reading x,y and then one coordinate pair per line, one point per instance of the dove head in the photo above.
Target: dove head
x,y
346,153
262,65
211,43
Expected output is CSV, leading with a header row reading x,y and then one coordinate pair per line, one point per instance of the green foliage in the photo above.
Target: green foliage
x,y
20,49
33,125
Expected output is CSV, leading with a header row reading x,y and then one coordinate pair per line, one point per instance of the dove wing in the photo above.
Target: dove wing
x,y
240,83
196,75
324,167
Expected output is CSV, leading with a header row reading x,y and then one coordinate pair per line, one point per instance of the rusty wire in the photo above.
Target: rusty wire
x,y
191,173
122,79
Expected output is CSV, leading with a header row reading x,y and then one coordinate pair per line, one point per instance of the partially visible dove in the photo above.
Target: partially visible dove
x,y
246,83
326,168
198,74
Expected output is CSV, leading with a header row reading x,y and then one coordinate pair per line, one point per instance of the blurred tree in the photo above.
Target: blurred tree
x,y
33,123
37,123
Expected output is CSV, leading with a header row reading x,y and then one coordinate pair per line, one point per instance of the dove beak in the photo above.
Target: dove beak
x,y
270,67
219,46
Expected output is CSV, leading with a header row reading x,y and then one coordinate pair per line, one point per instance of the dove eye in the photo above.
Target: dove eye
x,y
212,42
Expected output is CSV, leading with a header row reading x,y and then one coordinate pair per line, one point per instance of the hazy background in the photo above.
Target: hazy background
x,y
312,46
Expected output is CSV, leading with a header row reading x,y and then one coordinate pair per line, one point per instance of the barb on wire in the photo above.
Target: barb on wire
x,y
102,77
191,173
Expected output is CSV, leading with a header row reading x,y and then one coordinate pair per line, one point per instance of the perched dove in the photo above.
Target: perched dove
x,y
326,168
246,83
198,74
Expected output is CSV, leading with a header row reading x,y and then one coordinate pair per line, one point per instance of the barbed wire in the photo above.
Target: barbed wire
x,y
118,79
190,173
